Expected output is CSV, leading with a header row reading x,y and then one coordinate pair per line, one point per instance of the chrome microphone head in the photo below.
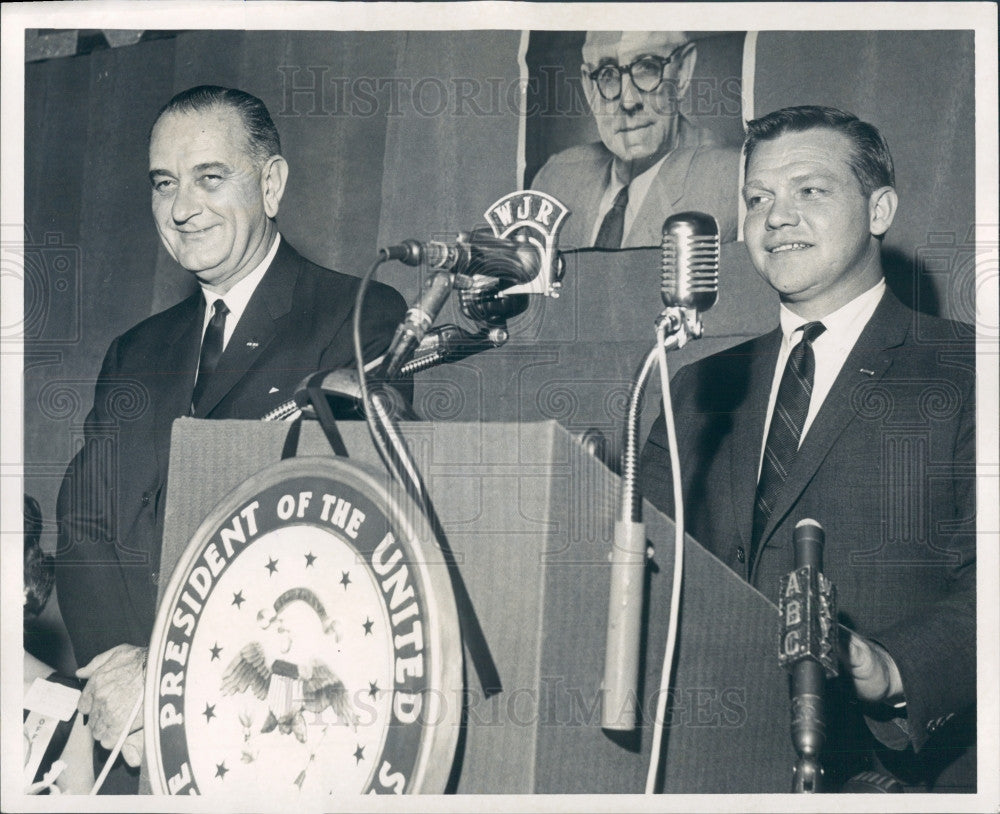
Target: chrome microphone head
x,y
690,261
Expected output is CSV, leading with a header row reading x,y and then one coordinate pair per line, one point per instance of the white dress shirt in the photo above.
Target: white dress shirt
x,y
830,349
238,296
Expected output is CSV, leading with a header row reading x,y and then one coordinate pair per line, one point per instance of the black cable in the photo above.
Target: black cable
x,y
395,455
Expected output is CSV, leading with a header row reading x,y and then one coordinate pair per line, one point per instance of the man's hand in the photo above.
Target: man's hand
x,y
876,677
115,679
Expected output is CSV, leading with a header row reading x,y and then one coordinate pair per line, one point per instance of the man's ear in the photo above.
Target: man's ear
x,y
689,56
881,210
272,183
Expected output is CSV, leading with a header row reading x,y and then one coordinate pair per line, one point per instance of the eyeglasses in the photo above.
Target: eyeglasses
x,y
646,73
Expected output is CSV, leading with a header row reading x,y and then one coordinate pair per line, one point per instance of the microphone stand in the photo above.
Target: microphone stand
x,y
449,343
680,325
628,556
807,606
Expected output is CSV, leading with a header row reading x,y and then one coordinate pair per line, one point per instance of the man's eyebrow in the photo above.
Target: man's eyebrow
x,y
812,175
798,178
218,167
213,166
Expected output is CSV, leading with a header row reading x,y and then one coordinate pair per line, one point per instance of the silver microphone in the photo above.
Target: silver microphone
x,y
690,261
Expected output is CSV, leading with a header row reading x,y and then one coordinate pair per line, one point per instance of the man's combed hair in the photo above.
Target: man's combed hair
x,y
871,161
262,136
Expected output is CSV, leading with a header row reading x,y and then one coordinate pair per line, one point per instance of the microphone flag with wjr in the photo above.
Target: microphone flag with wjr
x,y
807,605
689,261
493,269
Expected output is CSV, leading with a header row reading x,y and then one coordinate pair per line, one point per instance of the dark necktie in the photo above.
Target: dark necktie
x,y
211,349
785,432
609,236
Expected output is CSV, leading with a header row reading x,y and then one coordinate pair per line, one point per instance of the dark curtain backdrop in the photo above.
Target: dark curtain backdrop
x,y
395,134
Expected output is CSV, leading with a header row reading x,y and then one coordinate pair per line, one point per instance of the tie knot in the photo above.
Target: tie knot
x,y
221,309
621,199
812,330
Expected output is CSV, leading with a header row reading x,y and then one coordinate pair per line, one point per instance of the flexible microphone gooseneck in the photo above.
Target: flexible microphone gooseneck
x,y
689,284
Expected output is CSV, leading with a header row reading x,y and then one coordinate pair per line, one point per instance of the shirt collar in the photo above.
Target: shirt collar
x,y
844,323
238,297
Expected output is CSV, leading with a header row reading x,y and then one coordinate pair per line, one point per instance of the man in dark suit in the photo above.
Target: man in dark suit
x,y
860,414
264,318
652,161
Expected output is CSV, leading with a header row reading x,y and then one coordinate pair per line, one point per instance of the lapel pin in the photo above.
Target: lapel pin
x,y
867,372
253,344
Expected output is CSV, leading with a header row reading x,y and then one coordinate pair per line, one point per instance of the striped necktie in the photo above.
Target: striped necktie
x,y
785,432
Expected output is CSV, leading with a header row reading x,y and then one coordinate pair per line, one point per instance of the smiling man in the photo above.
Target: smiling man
x,y
264,318
860,414
652,161
216,192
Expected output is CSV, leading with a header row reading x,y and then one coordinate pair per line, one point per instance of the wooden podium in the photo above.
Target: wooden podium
x,y
528,514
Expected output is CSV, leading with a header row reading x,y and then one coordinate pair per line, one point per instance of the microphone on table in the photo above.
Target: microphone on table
x,y
491,274
500,256
808,650
689,285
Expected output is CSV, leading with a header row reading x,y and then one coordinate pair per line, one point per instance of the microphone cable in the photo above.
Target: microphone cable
x,y
675,593
396,456
390,445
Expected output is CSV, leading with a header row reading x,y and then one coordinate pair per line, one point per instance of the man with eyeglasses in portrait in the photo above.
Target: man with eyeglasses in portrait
x,y
652,160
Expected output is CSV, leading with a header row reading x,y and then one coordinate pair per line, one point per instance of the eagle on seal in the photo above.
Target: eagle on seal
x,y
285,674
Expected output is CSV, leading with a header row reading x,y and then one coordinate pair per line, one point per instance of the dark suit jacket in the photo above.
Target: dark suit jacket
x,y
111,503
888,469
698,176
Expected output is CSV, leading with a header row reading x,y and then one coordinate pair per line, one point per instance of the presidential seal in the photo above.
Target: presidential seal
x,y
307,646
